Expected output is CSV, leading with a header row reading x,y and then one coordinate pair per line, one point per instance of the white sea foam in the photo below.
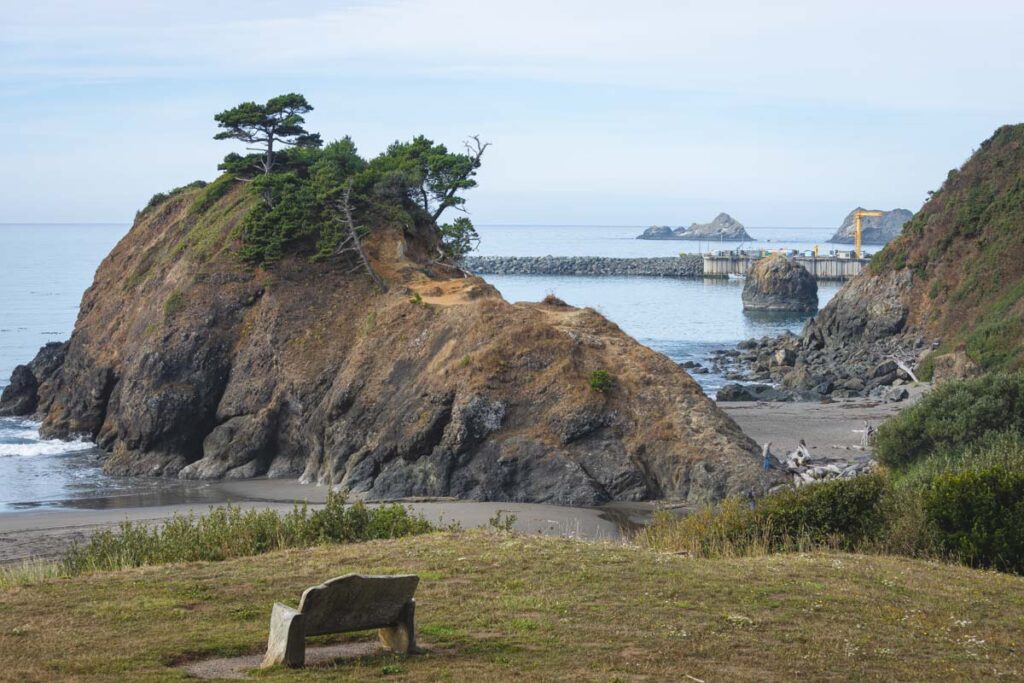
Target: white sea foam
x,y
20,438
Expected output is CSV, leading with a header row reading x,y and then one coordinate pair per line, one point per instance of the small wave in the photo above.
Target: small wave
x,y
37,448
20,438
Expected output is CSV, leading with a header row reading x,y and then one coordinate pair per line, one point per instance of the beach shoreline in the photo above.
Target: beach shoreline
x,y
832,431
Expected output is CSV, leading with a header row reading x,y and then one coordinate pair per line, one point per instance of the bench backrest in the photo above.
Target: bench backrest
x,y
355,602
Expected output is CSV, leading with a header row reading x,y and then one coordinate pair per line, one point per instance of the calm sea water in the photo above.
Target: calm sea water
x,y
45,268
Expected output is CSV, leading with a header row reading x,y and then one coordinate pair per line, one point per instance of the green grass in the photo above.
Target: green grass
x,y
228,531
503,607
174,305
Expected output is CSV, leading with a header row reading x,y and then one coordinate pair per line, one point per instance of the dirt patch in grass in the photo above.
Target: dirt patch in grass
x,y
528,608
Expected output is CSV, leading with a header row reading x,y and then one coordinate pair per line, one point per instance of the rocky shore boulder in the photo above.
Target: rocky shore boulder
x,y
873,229
775,283
185,362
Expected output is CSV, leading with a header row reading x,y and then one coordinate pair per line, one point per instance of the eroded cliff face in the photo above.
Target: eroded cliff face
x,y
186,363
946,296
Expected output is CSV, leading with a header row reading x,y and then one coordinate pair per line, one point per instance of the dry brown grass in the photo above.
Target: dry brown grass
x,y
499,607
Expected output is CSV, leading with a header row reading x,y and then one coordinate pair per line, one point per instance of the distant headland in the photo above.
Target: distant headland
x,y
724,227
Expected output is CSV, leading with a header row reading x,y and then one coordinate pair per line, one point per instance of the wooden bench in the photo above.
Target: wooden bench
x,y
348,603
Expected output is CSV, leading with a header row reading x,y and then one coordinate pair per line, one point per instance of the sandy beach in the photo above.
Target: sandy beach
x,y
831,430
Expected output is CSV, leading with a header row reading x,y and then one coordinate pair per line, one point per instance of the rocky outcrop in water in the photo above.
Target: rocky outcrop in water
x,y
186,363
685,265
724,228
873,229
775,283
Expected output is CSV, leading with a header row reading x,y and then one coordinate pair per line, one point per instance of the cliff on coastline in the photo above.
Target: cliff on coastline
x,y
724,227
186,362
873,229
947,296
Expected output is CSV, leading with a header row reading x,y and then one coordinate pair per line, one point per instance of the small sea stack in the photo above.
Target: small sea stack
x,y
777,284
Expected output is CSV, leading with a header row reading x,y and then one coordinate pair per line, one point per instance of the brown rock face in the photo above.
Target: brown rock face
x,y
775,283
186,363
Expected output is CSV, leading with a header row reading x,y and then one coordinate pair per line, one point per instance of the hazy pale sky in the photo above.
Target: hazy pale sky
x,y
782,113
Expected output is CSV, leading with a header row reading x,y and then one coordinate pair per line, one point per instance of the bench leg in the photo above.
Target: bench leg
x,y
287,642
401,637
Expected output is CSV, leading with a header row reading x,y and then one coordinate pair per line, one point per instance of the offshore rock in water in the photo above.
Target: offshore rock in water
x,y
777,284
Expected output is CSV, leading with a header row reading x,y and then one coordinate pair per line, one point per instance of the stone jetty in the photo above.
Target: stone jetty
x,y
684,266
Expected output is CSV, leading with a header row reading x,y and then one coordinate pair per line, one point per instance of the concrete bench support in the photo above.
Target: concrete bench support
x,y
347,603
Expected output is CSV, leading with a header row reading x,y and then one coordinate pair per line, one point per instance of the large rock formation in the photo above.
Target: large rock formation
x,y
724,227
186,363
873,229
947,294
775,283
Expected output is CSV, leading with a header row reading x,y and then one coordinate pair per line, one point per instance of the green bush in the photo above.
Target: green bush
x,y
212,193
954,415
844,513
227,532
174,305
601,380
160,197
979,515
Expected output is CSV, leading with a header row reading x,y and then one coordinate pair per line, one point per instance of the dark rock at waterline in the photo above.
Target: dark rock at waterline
x,y
21,396
777,284
752,392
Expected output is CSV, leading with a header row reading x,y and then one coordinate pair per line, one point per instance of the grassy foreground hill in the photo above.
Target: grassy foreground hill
x,y
495,606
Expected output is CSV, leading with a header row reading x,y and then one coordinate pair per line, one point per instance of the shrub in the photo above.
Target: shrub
x,y
979,515
844,513
175,304
952,416
212,193
160,197
601,380
227,532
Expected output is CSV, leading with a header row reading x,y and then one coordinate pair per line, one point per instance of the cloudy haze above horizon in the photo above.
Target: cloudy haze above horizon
x,y
599,112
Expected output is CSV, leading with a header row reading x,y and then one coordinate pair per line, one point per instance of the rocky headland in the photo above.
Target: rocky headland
x,y
186,362
944,300
724,227
683,266
776,283
873,229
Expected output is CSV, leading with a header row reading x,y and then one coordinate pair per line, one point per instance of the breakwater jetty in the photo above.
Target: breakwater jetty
x,y
716,265
686,265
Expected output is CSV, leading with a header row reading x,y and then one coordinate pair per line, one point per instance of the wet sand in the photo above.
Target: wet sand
x,y
831,430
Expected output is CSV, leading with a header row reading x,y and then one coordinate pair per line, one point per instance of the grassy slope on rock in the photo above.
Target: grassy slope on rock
x,y
502,607
966,249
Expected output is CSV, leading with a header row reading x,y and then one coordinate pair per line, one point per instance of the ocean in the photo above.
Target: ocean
x,y
44,269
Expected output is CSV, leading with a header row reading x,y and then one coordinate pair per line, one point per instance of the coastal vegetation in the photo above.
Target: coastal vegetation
x,y
964,249
306,188
952,488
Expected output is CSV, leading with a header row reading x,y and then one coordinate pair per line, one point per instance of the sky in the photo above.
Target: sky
x,y
599,113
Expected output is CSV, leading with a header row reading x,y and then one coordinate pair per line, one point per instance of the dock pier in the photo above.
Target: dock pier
x,y
838,265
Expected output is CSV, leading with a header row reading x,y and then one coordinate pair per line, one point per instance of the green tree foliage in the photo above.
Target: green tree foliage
x,y
303,185
277,122
951,417
428,173
459,237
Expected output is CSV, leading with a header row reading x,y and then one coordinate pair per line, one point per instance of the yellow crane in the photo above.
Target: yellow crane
x,y
858,214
